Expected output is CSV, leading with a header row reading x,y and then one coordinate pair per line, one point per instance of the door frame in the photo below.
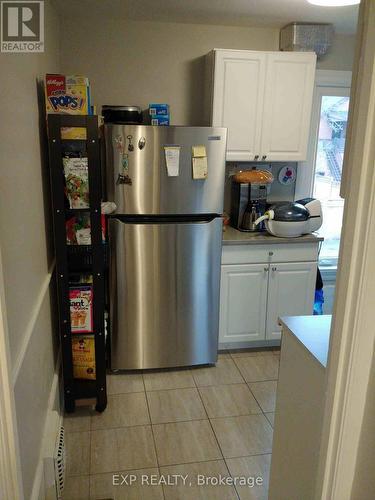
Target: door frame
x,y
10,475
351,351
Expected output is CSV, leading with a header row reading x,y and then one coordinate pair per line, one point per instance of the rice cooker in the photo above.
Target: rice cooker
x,y
293,219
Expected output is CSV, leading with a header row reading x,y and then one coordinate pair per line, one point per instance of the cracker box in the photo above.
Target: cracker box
x,y
67,94
83,353
81,320
160,120
158,109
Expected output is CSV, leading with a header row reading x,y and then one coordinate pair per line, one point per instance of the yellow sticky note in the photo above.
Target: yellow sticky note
x,y
199,151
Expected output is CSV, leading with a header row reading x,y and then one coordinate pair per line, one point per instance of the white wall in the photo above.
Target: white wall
x,y
25,241
340,56
130,62
133,62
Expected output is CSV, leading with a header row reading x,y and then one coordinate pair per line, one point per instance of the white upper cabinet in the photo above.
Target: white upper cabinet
x,y
238,100
264,99
287,105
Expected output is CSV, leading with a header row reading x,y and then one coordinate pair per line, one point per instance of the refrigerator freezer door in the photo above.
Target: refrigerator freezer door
x,y
165,281
137,152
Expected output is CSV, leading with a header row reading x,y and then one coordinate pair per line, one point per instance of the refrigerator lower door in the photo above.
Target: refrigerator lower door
x,y
164,288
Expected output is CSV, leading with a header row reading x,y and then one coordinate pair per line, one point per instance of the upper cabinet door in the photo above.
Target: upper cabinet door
x,y
287,105
238,100
291,292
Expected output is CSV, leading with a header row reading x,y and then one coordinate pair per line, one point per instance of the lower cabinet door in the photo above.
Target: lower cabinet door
x,y
291,292
243,302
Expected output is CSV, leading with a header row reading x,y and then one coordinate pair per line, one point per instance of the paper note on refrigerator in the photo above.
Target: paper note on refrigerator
x,y
200,169
172,160
199,161
199,151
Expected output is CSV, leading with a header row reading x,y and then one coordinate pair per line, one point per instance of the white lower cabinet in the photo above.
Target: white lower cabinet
x,y
243,302
254,296
291,290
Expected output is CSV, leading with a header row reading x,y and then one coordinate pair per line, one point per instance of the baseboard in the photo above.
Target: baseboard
x,y
224,346
38,492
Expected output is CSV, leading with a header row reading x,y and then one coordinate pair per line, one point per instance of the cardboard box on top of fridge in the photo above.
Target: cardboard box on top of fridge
x,y
160,120
158,109
67,94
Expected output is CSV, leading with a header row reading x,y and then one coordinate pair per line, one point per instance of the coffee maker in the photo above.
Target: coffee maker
x,y
249,199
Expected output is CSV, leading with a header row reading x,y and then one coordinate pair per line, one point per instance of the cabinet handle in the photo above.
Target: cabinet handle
x,y
274,269
270,254
266,269
256,157
264,157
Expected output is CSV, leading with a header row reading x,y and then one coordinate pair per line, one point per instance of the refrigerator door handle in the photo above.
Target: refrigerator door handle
x,y
165,219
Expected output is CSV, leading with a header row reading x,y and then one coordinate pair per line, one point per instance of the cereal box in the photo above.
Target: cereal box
x,y
67,94
77,133
81,320
83,352
77,181
78,230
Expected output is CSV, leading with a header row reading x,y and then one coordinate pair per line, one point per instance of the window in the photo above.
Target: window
x,y
320,175
328,168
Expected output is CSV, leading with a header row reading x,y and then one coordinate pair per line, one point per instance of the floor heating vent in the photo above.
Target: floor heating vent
x,y
54,462
60,463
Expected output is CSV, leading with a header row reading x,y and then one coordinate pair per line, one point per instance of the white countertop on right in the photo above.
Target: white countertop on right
x,y
313,332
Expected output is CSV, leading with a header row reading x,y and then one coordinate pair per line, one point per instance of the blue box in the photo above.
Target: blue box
x,y
160,120
158,109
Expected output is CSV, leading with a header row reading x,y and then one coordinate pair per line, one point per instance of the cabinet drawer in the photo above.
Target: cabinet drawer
x,y
254,254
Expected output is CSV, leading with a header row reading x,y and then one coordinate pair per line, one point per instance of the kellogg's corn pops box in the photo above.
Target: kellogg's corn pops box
x,y
83,352
67,94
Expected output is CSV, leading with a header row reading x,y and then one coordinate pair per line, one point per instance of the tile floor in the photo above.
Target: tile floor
x,y
207,421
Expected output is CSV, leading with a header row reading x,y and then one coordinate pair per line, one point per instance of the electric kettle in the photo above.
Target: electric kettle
x,y
249,217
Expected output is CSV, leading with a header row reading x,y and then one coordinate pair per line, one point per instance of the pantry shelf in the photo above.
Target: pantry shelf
x,y
82,141
80,257
81,305
72,211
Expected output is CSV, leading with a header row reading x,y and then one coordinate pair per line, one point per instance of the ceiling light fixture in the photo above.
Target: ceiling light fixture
x,y
334,3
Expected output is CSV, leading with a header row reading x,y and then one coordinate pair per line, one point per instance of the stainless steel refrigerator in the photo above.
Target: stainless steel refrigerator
x,y
165,244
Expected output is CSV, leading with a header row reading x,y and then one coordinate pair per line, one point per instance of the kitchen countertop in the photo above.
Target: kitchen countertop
x,y
313,332
233,236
